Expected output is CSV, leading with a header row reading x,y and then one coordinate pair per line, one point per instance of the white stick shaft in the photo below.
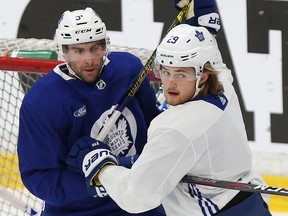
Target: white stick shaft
x,y
108,125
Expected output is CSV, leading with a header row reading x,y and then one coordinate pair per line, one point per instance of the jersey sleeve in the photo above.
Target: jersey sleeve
x,y
41,152
154,175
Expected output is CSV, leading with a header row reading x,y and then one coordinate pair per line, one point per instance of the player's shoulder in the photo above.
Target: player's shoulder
x,y
182,116
47,86
123,64
119,55
220,101
122,53
51,80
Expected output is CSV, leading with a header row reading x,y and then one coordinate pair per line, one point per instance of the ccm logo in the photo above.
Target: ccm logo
x,y
83,31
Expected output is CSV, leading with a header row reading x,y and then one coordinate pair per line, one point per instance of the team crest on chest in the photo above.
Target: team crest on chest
x,y
118,139
121,137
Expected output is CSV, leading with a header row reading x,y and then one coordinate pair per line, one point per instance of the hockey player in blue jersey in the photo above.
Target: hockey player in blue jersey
x,y
73,101
202,133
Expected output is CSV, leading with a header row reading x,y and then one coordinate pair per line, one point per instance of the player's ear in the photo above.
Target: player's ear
x,y
204,77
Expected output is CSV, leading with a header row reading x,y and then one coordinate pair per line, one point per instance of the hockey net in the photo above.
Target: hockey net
x,y
16,79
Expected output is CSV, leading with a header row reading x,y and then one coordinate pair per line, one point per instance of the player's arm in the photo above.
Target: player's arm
x,y
40,150
201,13
154,175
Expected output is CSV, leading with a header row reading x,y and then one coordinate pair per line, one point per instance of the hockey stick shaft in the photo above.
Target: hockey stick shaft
x,y
18,203
136,84
253,188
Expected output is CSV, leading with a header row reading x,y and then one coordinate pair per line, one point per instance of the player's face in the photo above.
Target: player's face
x,y
178,83
86,59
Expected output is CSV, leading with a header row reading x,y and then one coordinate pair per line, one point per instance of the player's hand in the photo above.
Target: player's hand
x,y
88,156
201,13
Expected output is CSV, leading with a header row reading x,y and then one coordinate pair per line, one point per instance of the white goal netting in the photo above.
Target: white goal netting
x,y
13,85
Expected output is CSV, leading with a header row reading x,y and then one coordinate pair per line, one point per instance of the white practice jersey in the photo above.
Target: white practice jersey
x,y
205,138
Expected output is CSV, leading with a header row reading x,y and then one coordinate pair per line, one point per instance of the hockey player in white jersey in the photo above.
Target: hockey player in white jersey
x,y
201,134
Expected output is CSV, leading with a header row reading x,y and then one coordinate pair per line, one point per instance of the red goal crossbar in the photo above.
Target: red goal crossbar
x,y
27,64
37,65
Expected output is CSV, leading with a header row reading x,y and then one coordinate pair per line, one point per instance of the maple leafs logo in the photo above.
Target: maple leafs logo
x,y
118,140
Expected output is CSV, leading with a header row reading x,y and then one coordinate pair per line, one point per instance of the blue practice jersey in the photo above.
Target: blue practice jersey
x,y
59,109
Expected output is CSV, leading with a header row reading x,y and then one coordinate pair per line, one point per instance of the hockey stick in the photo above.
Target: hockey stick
x,y
18,203
136,84
235,185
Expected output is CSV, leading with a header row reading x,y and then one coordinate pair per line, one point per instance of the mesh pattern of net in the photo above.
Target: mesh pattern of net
x,y
36,44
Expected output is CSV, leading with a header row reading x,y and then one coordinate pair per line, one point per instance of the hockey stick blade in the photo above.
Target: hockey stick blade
x,y
253,188
15,201
136,84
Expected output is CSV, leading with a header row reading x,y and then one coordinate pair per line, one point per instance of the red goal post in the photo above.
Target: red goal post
x,y
17,75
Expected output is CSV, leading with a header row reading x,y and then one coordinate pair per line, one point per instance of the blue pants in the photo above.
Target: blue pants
x,y
254,205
